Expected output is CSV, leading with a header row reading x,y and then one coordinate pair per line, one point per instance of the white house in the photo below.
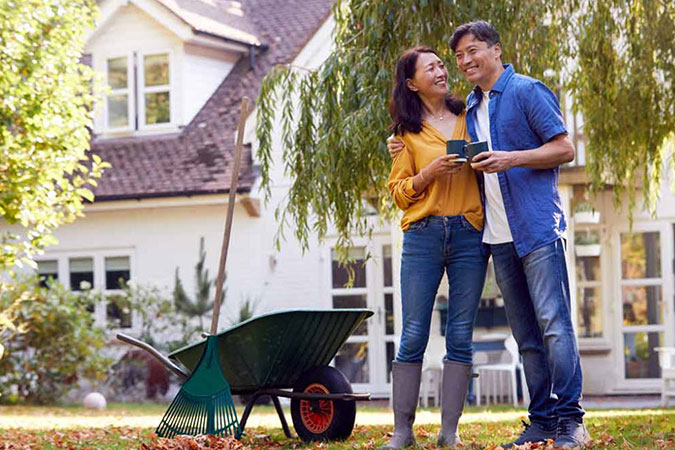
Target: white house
x,y
177,71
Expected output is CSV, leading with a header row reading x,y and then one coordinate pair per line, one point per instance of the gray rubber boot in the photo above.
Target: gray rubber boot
x,y
405,378
456,378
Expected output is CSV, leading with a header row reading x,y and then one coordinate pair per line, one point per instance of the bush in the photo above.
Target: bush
x,y
49,340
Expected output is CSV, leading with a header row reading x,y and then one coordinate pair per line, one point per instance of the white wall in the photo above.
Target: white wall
x,y
161,238
203,70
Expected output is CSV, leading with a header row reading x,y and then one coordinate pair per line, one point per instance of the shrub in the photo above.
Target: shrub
x,y
50,342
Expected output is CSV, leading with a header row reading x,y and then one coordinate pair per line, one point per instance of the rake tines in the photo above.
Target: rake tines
x,y
204,403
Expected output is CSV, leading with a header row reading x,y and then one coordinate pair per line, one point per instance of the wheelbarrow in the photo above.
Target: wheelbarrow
x,y
285,354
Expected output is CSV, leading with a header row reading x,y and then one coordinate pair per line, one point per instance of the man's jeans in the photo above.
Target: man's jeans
x,y
431,246
537,301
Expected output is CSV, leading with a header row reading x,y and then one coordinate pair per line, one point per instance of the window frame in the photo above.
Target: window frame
x,y
98,257
141,90
665,281
130,91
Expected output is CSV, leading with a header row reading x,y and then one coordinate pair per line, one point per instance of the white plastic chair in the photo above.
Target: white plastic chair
x,y
493,376
667,363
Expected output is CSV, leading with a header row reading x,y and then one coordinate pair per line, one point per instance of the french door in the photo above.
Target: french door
x,y
366,357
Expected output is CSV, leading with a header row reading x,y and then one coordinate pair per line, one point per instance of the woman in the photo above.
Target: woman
x,y
442,223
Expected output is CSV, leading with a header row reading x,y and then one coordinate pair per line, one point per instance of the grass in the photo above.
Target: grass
x,y
128,426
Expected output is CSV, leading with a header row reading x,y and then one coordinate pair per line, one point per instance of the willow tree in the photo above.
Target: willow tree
x,y
334,119
45,114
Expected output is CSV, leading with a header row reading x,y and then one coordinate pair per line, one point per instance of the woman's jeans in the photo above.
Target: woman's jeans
x,y
431,246
537,300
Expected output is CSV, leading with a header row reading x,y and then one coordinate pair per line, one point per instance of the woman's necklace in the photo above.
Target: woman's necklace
x,y
439,118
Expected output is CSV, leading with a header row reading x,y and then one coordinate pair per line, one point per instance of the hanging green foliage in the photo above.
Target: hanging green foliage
x,y
622,83
334,120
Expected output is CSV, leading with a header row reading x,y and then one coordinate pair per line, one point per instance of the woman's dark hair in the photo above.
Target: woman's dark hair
x,y
405,106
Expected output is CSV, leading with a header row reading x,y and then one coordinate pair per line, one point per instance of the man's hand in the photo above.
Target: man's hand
x,y
394,145
493,161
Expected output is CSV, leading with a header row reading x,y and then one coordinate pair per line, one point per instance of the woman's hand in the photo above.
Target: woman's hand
x,y
394,145
443,165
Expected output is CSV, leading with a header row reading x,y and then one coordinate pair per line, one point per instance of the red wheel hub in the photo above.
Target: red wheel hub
x,y
316,415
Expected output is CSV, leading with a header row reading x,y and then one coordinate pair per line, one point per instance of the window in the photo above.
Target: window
x,y
642,303
103,271
81,273
352,359
117,271
388,290
140,96
48,270
491,311
156,91
119,103
587,249
118,309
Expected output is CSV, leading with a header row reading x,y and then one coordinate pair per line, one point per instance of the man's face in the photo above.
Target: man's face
x,y
476,60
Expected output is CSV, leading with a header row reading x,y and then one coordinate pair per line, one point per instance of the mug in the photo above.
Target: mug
x,y
456,147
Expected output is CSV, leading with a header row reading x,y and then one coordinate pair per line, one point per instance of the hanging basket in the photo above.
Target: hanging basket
x,y
587,217
588,250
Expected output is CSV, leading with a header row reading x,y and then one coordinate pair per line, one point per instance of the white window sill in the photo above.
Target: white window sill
x,y
105,135
594,346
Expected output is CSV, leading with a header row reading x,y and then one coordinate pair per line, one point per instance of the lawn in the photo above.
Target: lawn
x,y
130,427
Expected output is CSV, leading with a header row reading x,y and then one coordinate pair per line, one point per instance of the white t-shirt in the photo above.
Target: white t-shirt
x,y
497,229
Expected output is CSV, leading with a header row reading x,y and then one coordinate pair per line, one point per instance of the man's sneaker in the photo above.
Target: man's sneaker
x,y
533,432
572,433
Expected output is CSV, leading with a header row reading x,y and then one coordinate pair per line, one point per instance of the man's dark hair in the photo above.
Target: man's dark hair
x,y
482,30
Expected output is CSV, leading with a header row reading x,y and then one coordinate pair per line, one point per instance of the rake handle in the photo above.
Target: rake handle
x,y
230,214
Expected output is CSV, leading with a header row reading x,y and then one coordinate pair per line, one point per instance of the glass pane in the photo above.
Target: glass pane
x,y
118,111
352,301
490,288
118,311
641,361
352,361
389,314
386,263
157,108
48,270
156,68
588,268
642,305
357,266
81,273
390,357
117,73
640,255
589,310
116,269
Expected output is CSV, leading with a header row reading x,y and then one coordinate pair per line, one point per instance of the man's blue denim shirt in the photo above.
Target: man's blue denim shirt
x,y
524,114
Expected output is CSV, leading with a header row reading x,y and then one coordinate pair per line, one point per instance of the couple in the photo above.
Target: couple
x,y
504,203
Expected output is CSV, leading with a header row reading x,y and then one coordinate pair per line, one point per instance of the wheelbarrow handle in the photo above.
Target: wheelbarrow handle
x,y
155,353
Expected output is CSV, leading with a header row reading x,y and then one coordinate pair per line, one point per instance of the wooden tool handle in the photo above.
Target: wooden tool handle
x,y
230,213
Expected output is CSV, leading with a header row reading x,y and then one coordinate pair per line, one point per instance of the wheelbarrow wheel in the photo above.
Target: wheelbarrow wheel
x,y
323,420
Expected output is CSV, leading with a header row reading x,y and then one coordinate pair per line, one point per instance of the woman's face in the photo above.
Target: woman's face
x,y
430,78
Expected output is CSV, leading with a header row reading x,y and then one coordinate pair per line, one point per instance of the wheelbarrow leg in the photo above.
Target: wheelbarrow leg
x,y
247,411
282,417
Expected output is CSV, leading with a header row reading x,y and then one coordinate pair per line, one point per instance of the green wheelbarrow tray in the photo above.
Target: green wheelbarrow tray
x,y
273,350
272,353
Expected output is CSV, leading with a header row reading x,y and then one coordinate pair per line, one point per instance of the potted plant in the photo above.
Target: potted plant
x,y
587,244
585,213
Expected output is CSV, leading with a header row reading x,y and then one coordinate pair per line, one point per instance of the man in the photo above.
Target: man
x,y
520,119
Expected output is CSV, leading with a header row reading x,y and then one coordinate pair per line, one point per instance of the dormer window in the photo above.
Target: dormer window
x,y
140,92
